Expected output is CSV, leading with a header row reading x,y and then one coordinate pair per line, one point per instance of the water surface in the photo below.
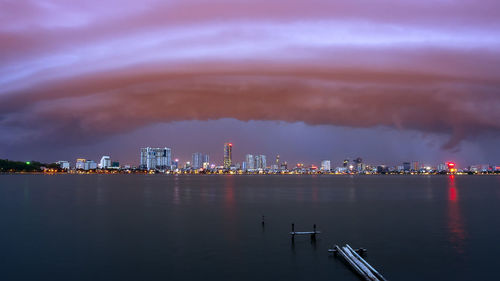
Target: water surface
x,y
158,227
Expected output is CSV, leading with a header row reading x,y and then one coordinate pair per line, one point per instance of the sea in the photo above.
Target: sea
x,y
210,227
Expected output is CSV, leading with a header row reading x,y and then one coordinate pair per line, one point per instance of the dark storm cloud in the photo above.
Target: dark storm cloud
x,y
84,71
108,103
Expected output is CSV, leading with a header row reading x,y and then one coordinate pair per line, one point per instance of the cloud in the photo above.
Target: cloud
x,y
83,73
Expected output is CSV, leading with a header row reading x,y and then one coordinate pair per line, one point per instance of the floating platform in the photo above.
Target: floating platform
x,y
357,263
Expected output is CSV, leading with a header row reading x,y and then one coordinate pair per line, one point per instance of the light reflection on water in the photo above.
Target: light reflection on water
x,y
176,199
455,220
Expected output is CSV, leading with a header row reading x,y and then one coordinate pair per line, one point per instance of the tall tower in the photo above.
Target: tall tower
x,y
250,160
197,160
228,155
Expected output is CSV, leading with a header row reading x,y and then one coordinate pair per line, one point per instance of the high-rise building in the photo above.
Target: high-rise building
x,y
442,167
105,162
284,166
345,163
276,165
415,166
228,155
250,162
156,158
260,162
325,165
197,160
406,166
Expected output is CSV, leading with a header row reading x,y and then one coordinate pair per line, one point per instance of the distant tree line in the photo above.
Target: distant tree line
x,y
18,166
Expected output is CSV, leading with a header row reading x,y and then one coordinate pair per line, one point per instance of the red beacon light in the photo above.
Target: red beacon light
x,y
451,167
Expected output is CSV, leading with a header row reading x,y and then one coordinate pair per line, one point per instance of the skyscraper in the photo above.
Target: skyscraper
x,y
206,160
156,158
228,155
260,162
415,166
250,162
197,160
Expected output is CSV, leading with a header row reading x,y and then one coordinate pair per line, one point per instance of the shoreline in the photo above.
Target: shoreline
x,y
250,174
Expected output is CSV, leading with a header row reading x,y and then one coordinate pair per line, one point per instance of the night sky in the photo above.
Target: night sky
x,y
388,81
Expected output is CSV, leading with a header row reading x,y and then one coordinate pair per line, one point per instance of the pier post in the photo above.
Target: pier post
x,y
313,235
262,220
293,231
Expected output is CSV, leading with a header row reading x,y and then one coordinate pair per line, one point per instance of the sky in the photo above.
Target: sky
x,y
388,81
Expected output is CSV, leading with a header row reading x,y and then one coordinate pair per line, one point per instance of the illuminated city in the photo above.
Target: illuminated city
x,y
160,161
252,140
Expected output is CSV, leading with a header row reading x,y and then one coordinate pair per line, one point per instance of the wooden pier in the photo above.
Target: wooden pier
x,y
357,263
312,233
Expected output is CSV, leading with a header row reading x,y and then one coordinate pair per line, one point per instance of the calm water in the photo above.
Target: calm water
x,y
137,227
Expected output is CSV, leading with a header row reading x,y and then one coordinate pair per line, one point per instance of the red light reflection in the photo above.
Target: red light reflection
x,y
455,221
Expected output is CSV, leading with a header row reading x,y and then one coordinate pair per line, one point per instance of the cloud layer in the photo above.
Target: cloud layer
x,y
90,70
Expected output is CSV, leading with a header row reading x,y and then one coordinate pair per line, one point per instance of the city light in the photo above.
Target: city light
x,y
451,167
159,160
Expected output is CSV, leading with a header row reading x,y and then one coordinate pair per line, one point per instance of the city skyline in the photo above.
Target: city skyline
x,y
249,139
304,79
162,158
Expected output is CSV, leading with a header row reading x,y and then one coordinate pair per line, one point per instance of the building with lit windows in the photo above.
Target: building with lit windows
x,y
228,155
84,164
260,162
105,162
249,162
80,163
199,160
156,158
415,166
325,165
63,165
